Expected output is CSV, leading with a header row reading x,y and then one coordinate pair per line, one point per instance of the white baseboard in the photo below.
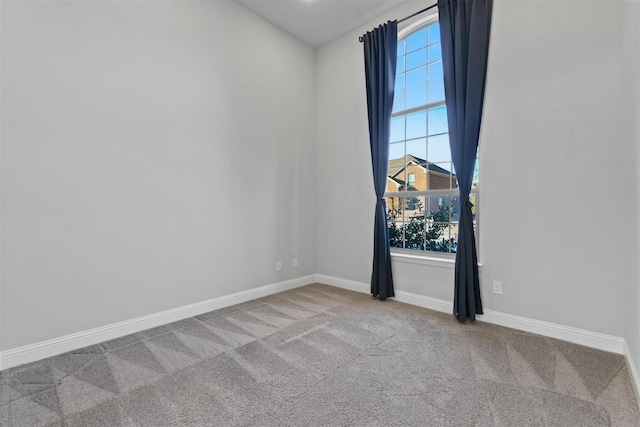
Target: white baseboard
x,y
33,352
351,285
633,371
592,339
30,353
435,304
597,340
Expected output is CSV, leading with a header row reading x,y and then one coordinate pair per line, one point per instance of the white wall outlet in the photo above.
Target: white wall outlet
x,y
278,265
295,263
497,287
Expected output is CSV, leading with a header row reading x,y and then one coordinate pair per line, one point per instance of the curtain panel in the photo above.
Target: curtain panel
x,y
380,54
464,33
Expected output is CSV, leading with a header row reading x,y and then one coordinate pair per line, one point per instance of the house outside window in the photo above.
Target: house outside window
x,y
423,205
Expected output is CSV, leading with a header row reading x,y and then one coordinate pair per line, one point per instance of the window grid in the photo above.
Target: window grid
x,y
422,216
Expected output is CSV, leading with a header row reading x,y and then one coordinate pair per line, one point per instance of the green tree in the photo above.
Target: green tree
x,y
395,232
421,231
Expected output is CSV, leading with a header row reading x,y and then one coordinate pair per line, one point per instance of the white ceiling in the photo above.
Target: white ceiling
x,y
318,22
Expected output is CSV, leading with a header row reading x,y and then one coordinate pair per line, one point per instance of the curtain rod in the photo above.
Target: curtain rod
x,y
361,39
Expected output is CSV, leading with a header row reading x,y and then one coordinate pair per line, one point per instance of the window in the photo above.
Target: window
x,y
422,196
411,180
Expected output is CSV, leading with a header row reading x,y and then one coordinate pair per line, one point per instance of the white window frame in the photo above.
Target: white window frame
x,y
425,257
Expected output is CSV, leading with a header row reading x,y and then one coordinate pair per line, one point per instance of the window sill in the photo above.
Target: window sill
x,y
434,261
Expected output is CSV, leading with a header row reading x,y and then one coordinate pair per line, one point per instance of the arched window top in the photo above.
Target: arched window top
x,y
419,78
425,21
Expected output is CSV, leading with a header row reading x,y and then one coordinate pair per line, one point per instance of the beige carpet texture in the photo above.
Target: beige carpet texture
x,y
323,356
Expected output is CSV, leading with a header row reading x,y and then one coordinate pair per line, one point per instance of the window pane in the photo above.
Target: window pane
x,y
438,223
436,82
418,149
413,205
396,156
439,209
435,52
439,176
443,242
455,208
444,212
417,125
400,64
452,243
416,40
434,33
417,59
438,237
397,129
438,120
439,150
394,221
414,224
416,87
401,220
433,206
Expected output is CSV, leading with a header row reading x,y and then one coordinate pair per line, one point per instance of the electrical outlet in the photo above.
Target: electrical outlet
x,y
497,287
278,265
295,263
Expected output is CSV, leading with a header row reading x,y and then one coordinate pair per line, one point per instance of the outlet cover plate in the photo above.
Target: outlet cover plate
x,y
497,287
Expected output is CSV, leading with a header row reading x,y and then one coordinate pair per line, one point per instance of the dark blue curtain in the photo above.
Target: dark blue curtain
x,y
380,55
464,31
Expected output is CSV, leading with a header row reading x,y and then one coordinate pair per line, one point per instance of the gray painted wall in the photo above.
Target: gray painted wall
x,y
632,67
555,118
154,154
556,160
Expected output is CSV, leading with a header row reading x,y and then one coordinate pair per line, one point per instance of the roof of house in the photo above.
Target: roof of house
x,y
396,165
396,180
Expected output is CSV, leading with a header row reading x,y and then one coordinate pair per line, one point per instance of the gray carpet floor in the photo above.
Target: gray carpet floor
x,y
322,356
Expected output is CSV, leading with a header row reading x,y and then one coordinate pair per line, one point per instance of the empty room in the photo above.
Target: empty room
x,y
319,213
